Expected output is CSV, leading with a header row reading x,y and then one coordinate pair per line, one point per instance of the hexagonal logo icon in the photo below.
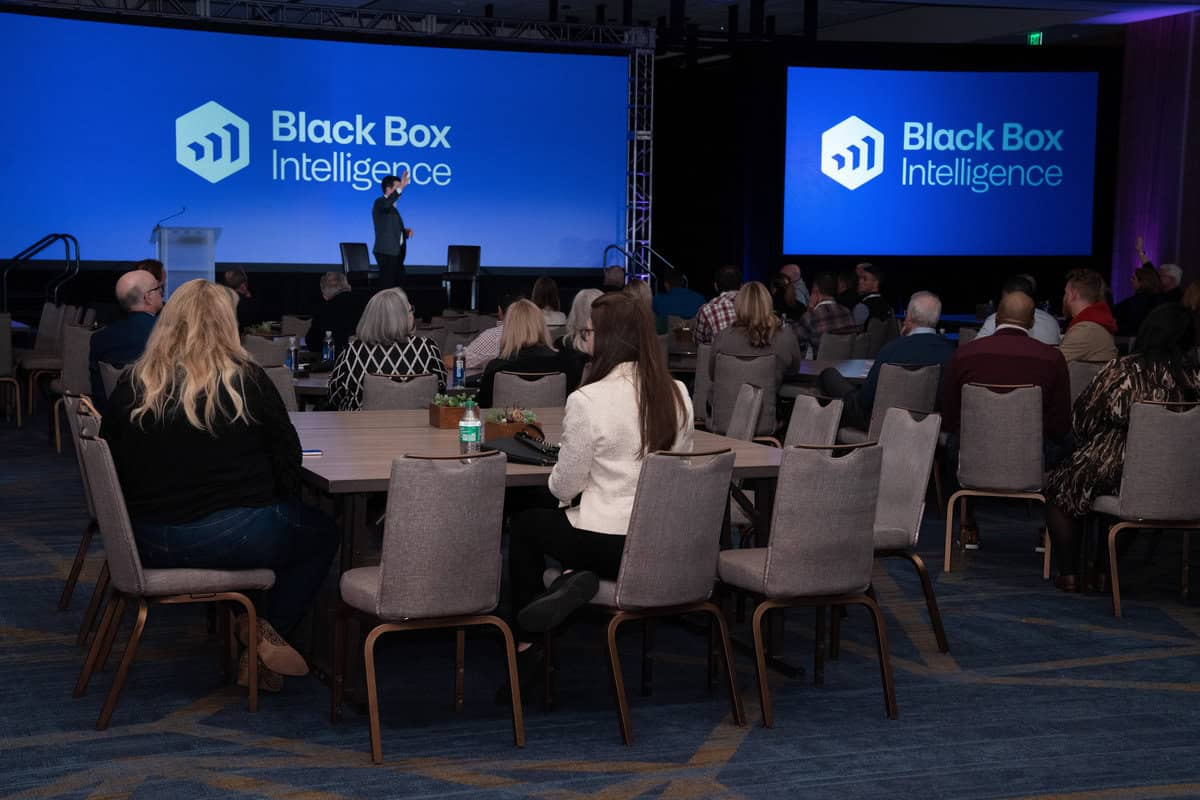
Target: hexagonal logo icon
x,y
212,142
852,153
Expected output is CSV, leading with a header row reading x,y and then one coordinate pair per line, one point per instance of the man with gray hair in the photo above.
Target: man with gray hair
x,y
338,314
140,296
918,345
1172,278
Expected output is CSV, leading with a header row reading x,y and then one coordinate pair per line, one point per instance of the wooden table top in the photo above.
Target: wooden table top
x,y
357,453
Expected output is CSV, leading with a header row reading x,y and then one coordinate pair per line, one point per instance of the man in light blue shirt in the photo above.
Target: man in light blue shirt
x,y
1045,327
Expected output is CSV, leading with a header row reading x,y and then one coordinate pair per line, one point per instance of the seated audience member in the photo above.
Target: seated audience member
x,y
847,287
639,290
1045,326
796,278
1191,301
339,313
1171,277
545,297
919,344
140,296
871,304
1163,367
154,267
1011,357
210,466
614,279
825,314
386,344
674,299
525,347
575,344
757,331
717,314
1133,310
486,346
249,309
1089,335
629,407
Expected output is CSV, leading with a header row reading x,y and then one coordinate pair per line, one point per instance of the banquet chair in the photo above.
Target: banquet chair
x,y
900,386
285,384
292,325
75,376
110,376
1081,375
395,392
83,421
265,351
1159,481
879,332
46,356
134,584
702,387
836,346
729,373
7,373
440,568
669,564
529,389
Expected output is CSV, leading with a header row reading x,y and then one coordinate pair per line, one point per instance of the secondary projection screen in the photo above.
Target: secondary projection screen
x,y
887,162
282,142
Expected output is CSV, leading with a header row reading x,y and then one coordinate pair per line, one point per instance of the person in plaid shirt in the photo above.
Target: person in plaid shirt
x,y
825,314
718,314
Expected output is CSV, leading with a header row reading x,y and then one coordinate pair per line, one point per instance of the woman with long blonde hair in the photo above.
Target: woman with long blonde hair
x,y
525,347
757,331
210,467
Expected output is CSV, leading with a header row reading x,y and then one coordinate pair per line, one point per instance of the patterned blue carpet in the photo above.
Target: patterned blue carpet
x,y
1043,694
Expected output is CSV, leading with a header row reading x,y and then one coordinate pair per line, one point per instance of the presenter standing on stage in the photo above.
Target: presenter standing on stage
x,y
391,237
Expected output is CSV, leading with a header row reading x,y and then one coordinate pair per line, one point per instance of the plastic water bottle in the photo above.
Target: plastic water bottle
x,y
460,366
470,429
327,349
293,356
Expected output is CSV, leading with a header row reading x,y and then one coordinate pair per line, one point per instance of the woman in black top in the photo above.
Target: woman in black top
x,y
525,347
210,465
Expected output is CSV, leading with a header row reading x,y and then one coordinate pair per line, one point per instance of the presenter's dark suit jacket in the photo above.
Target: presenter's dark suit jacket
x,y
119,344
389,227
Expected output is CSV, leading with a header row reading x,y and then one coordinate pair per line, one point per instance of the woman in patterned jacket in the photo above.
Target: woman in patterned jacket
x,y
383,345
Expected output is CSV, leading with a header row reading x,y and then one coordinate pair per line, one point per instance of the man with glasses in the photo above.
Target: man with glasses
x,y
140,296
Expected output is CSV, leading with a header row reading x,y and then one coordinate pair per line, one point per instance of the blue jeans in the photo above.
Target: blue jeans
x,y
294,540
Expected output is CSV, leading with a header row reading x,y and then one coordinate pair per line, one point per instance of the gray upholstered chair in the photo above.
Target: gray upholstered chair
x,y
7,373
440,568
292,325
437,334
461,324
702,388
909,442
395,392
814,421
134,584
110,376
967,335
285,384
729,373
836,346
529,389
747,408
1081,374
556,331
861,346
913,387
878,333
999,451
1159,481
46,356
75,377
267,352
820,553
669,564
88,318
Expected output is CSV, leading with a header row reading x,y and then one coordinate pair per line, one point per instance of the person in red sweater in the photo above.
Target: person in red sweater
x,y
1011,357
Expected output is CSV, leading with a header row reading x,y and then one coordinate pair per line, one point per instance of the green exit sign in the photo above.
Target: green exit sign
x,y
1033,39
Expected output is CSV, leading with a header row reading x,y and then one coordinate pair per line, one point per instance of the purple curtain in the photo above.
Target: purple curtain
x,y
1159,150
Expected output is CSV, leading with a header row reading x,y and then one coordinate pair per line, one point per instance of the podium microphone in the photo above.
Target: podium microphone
x,y
158,224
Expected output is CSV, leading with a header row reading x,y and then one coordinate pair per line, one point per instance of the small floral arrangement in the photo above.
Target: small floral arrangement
x,y
510,415
451,400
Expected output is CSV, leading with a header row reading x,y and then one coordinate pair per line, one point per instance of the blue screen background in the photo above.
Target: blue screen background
x,y
882,217
537,143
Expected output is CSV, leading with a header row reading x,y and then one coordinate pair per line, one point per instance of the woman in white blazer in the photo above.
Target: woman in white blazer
x,y
627,408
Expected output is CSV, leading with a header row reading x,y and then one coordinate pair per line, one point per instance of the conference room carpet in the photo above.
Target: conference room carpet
x,y
1043,693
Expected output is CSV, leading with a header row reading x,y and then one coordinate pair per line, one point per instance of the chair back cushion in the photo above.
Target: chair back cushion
x,y
267,352
908,445
285,385
110,376
967,335
1082,373
746,411
441,538
81,425
1000,439
674,538
438,334
901,386
702,388
814,421
6,353
822,530
836,346
516,389
120,548
49,332
76,350
879,332
1161,478
392,393
295,326
729,374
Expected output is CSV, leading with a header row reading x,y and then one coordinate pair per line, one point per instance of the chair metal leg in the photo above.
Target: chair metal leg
x,y
373,694
64,600
647,657
460,646
935,615
514,679
107,646
819,645
1114,577
885,663
93,656
760,662
58,405
338,679
735,697
89,616
135,636
614,663
16,392
1046,547
949,531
